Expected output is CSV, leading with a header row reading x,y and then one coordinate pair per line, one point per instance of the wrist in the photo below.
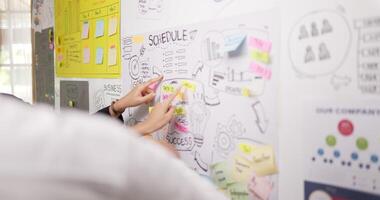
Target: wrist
x,y
143,129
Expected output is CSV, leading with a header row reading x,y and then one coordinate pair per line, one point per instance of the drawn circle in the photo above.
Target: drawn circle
x,y
224,141
319,43
134,68
331,141
354,156
374,158
336,154
319,195
362,144
321,152
346,127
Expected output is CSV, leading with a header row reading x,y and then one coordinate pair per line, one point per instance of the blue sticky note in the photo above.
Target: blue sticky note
x,y
99,28
99,56
233,42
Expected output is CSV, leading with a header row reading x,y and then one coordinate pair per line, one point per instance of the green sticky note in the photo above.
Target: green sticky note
x,y
221,174
260,56
238,191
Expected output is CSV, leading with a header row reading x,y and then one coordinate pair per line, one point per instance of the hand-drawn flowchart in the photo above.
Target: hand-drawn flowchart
x,y
224,67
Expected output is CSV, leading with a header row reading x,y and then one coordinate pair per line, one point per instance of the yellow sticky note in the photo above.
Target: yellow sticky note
x,y
71,104
264,162
246,92
138,39
150,109
260,56
179,110
221,174
242,169
181,96
189,85
168,88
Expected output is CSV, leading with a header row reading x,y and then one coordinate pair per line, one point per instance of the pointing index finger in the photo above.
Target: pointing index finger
x,y
170,99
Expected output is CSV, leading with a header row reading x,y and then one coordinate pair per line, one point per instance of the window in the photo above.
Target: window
x,y
16,48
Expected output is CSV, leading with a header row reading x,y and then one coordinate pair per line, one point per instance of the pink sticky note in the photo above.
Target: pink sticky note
x,y
60,57
180,128
259,70
261,187
260,44
165,96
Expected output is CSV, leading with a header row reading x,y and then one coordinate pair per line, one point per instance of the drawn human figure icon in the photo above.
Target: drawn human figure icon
x,y
309,56
314,29
324,53
326,27
303,33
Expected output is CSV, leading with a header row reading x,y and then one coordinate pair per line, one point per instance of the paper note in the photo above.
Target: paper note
x,y
242,169
112,56
179,110
260,56
99,28
264,161
181,96
167,88
138,39
86,55
221,174
99,56
238,191
150,109
246,92
85,30
265,73
246,148
233,42
60,57
112,26
263,45
261,187
189,85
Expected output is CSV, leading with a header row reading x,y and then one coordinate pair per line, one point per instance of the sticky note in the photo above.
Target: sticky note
x,y
60,57
71,104
181,127
265,73
181,96
242,169
221,174
167,88
264,162
85,30
99,56
189,85
263,45
86,55
138,39
260,187
260,56
112,56
233,42
99,28
238,191
179,110
112,26
150,109
246,92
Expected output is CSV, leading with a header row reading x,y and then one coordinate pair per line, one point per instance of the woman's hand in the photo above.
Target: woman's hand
x,y
138,95
161,114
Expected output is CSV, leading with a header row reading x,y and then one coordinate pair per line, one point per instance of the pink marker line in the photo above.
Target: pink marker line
x,y
259,70
260,44
181,128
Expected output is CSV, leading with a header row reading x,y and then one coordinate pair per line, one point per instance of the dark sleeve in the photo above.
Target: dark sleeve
x,y
105,112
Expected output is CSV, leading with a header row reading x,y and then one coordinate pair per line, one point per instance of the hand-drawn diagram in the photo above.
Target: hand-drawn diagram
x,y
105,96
319,44
224,68
151,9
368,55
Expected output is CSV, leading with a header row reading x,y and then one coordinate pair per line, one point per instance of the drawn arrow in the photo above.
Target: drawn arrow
x,y
261,120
